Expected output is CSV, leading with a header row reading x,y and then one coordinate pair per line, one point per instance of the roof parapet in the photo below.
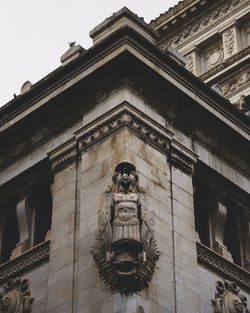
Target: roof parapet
x,y
121,18
72,53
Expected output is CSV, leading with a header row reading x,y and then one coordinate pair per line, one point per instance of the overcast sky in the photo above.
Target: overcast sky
x,y
35,33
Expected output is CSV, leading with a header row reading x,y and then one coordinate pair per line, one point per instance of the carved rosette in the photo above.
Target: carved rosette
x,y
16,297
228,300
124,249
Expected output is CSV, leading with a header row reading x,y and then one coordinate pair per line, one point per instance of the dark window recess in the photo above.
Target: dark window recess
x,y
232,237
41,198
10,231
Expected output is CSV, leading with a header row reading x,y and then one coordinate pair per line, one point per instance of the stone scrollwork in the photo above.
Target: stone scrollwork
x,y
16,297
228,300
124,249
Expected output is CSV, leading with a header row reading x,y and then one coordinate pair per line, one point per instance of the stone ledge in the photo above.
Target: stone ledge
x,y
223,267
31,258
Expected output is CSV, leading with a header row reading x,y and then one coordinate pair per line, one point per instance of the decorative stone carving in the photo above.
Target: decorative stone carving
x,y
223,267
16,297
228,300
213,57
234,84
125,250
201,23
229,41
33,257
190,63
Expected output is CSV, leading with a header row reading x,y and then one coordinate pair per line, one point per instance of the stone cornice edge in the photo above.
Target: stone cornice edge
x,y
31,258
223,267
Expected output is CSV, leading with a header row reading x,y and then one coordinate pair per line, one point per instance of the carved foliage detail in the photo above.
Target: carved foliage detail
x,y
16,297
124,249
228,300
229,41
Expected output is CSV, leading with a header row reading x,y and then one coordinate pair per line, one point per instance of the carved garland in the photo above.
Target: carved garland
x,y
16,297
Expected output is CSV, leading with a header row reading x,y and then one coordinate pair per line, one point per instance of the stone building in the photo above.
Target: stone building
x,y
124,181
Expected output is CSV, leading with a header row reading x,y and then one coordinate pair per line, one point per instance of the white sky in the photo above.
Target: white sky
x,y
35,33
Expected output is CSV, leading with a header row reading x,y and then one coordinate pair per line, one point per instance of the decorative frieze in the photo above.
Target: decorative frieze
x,y
202,23
16,297
113,124
125,250
228,299
24,262
223,267
236,83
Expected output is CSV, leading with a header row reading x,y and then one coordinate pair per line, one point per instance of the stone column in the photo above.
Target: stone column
x,y
193,62
62,245
184,235
231,41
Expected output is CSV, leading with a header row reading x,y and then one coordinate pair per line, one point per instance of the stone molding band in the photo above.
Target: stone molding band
x,y
226,269
155,135
25,262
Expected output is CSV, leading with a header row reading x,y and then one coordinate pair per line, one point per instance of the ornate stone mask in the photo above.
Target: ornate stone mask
x,y
124,249
228,300
16,297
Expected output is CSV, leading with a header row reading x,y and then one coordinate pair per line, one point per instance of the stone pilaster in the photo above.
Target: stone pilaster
x,y
231,41
184,236
193,62
62,247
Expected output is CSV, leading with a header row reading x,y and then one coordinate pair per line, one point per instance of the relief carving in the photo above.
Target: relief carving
x,y
125,250
228,300
190,63
234,84
16,297
229,41
213,57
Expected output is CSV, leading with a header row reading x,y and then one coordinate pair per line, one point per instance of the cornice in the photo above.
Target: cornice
x,y
203,22
183,160
33,257
223,267
155,135
63,155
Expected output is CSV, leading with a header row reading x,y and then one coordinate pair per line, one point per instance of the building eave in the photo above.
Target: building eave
x,y
125,39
